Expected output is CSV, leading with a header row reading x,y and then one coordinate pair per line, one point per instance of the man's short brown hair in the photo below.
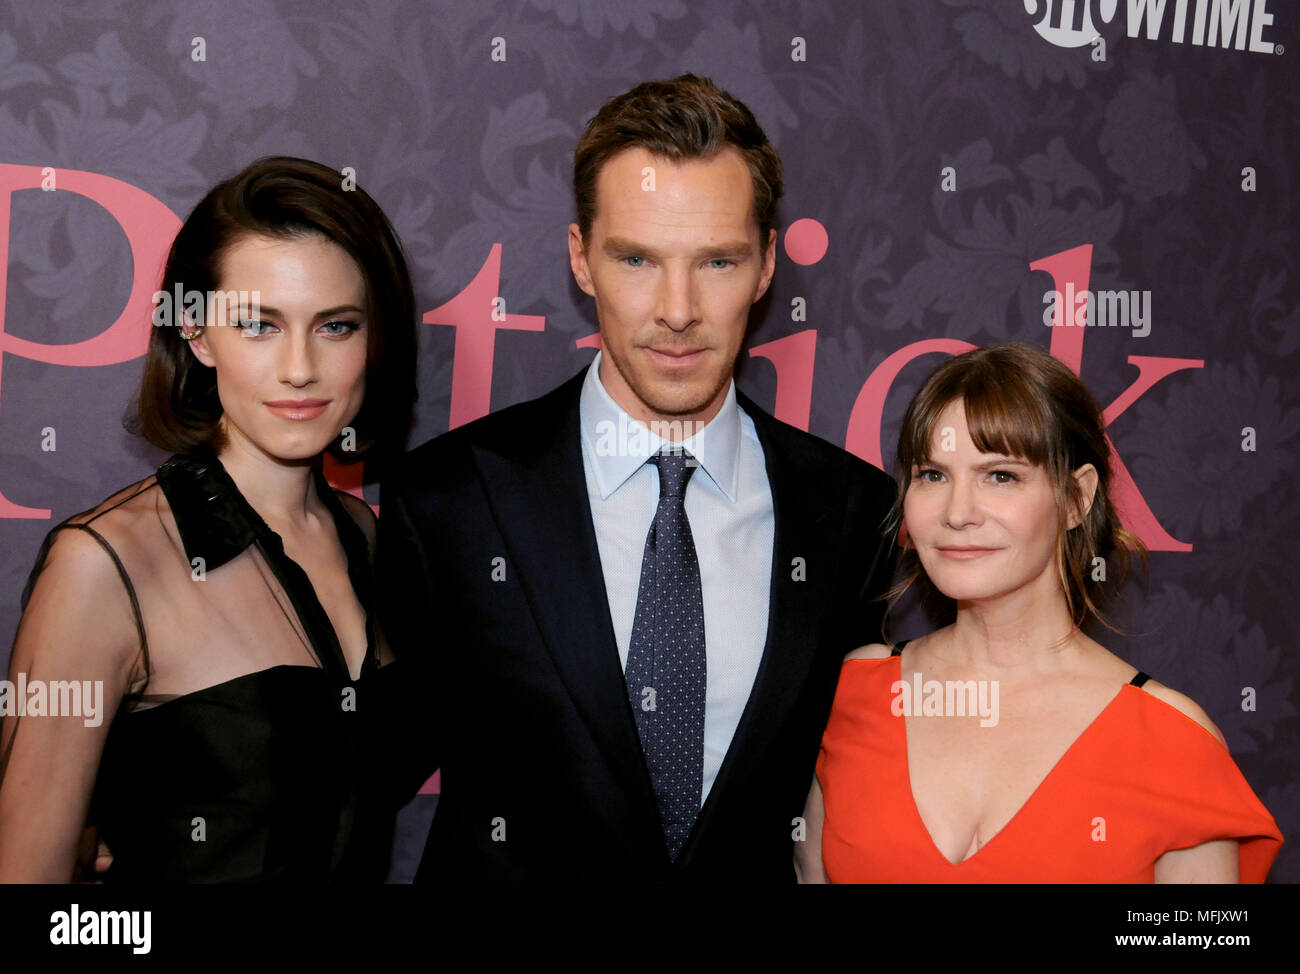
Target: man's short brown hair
x,y
686,118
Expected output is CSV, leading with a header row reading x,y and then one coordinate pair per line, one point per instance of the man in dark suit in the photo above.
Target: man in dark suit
x,y
620,609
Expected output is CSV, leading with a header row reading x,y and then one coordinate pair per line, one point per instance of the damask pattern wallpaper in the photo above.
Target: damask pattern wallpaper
x,y
934,150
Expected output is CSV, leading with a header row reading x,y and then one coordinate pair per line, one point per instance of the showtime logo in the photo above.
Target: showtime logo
x,y
1236,24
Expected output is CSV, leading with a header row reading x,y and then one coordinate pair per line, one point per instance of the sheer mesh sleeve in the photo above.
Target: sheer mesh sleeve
x,y
204,644
79,650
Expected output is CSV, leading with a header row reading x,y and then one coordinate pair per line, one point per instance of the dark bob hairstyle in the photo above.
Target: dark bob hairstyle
x,y
177,408
1021,402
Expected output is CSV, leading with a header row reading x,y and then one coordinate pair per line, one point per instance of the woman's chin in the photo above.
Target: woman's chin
x,y
292,449
971,590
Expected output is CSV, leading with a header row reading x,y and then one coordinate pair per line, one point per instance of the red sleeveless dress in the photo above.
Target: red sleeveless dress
x,y
1157,779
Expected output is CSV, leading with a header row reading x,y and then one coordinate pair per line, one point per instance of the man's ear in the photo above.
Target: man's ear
x,y
769,265
578,260
1086,480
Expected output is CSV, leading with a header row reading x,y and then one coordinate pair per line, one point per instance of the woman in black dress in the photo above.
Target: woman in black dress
x,y
223,605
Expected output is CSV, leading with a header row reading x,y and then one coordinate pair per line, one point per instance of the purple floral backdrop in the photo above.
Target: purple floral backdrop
x,y
943,144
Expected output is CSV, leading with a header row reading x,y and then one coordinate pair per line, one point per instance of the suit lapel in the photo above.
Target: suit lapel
x,y
538,494
802,530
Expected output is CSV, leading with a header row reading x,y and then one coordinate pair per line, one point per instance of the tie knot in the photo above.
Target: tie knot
x,y
675,468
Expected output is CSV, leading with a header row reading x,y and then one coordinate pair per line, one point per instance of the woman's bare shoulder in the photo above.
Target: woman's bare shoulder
x,y
884,651
120,510
78,604
132,521
870,651
1184,705
1114,668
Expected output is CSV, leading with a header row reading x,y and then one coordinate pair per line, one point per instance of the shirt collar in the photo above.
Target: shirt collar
x,y
618,445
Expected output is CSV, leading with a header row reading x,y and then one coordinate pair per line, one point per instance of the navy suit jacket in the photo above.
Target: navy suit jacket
x,y
508,675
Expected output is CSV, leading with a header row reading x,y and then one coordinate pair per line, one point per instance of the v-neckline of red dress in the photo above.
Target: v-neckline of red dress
x,y
1065,755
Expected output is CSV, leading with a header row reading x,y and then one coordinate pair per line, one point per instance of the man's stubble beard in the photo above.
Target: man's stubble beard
x,y
662,408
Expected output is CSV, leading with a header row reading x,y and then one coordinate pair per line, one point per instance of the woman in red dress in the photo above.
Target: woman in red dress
x,y
1055,760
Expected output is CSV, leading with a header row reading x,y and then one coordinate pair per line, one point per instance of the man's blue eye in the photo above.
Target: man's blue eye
x,y
721,263
634,261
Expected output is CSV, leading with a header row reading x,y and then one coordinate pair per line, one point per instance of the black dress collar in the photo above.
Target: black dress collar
x,y
214,520
216,523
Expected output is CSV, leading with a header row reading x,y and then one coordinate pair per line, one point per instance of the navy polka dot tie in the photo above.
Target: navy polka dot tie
x,y
665,670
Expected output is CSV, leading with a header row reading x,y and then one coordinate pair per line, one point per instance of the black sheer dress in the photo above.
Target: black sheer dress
x,y
239,751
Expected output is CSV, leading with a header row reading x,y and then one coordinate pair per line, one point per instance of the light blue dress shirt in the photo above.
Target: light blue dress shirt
x,y
729,505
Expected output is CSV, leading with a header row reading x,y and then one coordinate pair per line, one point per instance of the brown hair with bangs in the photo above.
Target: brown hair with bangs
x,y
1021,402
682,119
177,408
